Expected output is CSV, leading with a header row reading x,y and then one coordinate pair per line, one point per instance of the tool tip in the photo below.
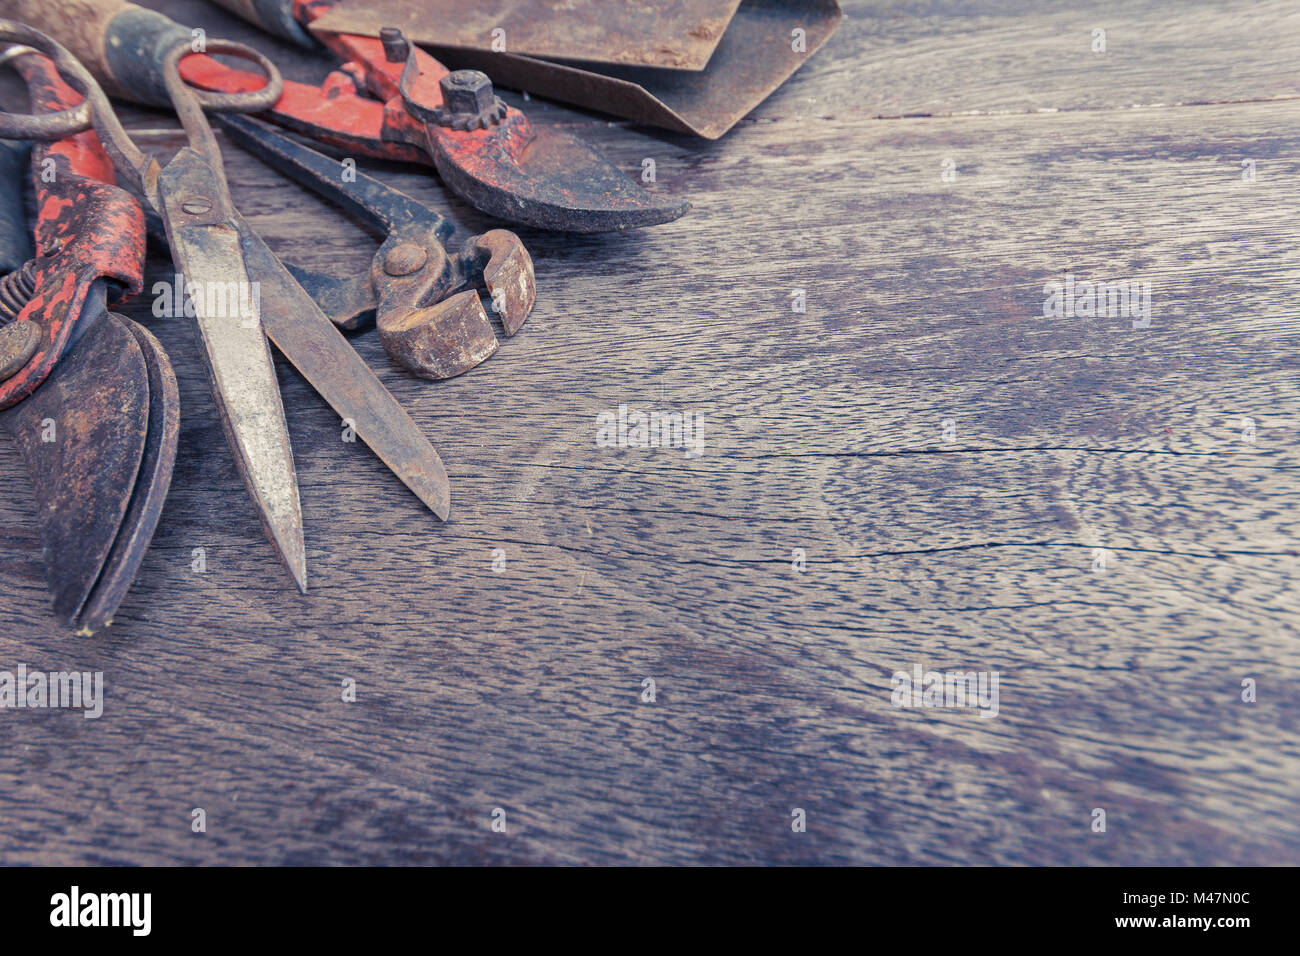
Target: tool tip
x,y
431,486
299,571
288,541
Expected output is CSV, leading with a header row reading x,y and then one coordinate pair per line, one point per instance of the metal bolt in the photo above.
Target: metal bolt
x,y
405,258
52,247
18,343
467,91
396,49
197,206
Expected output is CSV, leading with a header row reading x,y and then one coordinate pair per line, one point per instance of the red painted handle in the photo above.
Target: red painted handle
x,y
49,94
335,113
86,229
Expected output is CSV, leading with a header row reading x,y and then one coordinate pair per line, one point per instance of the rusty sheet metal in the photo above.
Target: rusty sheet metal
x,y
670,34
755,55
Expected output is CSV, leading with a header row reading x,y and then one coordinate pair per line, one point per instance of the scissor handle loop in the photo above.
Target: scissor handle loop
x,y
190,102
94,112
45,126
216,101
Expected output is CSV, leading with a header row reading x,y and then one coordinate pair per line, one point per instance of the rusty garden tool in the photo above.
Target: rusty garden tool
x,y
392,100
88,397
424,301
213,247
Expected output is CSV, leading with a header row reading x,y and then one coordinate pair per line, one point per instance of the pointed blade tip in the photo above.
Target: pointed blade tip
x,y
299,571
439,503
289,545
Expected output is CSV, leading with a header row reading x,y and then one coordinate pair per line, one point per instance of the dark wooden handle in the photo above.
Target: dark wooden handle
x,y
122,44
80,25
273,16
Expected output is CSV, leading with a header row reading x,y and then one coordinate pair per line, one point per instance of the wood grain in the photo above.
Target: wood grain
x,y
970,547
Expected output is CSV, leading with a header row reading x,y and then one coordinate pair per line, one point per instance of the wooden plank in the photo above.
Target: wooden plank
x,y
917,57
971,549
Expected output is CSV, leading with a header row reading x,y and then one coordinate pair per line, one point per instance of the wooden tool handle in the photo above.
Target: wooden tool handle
x,y
80,25
121,44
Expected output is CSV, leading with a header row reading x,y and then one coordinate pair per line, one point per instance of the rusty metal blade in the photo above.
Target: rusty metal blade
x,y
207,252
556,182
754,57
142,514
672,34
82,436
295,323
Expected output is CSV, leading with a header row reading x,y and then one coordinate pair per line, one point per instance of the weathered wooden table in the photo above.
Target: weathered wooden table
x,y
917,469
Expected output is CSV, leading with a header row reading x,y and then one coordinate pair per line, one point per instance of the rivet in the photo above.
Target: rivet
x,y
18,343
405,258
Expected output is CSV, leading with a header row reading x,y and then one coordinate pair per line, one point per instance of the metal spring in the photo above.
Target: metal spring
x,y
16,290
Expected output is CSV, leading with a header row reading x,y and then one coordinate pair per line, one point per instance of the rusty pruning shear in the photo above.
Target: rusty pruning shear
x,y
392,100
88,397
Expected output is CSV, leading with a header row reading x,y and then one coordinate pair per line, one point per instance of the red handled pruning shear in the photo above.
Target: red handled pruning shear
x,y
88,396
391,100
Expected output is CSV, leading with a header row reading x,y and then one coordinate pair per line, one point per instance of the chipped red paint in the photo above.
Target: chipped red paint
x,y
373,121
339,113
49,94
334,113
86,229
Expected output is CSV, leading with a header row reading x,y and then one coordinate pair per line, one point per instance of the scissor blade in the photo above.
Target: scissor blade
x,y
319,351
209,255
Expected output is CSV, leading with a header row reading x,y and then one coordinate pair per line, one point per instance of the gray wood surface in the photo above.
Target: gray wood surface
x,y
971,546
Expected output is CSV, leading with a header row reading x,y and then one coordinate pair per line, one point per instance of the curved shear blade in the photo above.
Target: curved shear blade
x,y
551,181
82,436
141,519
505,166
